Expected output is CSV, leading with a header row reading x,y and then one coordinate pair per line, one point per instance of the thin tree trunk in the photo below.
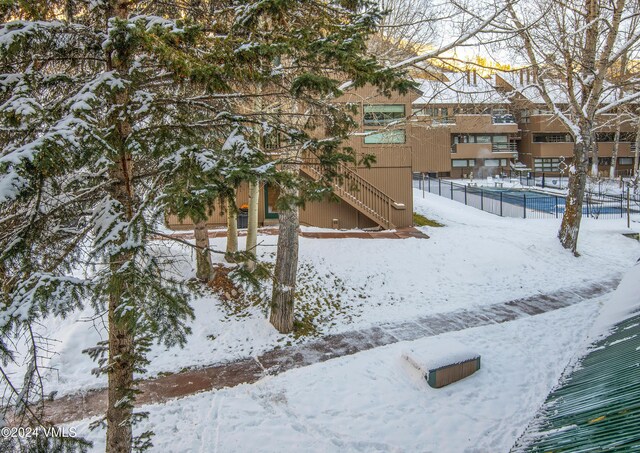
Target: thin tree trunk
x,y
204,268
636,154
284,285
252,225
121,363
614,152
232,229
570,226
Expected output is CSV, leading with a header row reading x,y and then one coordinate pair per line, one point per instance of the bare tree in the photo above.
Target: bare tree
x,y
572,47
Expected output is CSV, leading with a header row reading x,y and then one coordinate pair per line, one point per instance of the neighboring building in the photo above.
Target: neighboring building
x,y
465,128
456,124
377,197
546,142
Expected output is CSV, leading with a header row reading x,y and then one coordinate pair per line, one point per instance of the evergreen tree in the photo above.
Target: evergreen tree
x,y
94,101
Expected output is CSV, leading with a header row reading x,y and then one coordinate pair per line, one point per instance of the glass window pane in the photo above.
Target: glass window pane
x,y
393,136
459,163
492,162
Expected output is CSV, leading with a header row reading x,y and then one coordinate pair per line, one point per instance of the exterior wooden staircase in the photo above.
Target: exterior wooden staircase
x,y
358,193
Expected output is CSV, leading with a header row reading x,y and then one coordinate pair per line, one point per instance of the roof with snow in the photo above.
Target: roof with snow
x,y
597,407
523,82
458,88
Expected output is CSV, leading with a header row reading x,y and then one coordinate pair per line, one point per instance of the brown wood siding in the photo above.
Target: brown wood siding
x,y
430,148
453,373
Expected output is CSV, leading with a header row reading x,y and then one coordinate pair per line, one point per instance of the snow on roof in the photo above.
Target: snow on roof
x,y
459,88
531,88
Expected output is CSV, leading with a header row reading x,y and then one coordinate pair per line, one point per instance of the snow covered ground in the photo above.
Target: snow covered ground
x,y
375,401
476,259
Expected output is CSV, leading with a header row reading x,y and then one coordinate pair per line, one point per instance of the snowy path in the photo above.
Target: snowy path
x,y
92,403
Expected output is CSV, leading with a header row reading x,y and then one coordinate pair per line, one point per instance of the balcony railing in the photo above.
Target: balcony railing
x,y
442,120
503,119
504,147
495,147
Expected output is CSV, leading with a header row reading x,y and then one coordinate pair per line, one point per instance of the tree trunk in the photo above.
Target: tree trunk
x,y
614,152
570,226
252,226
204,268
120,372
636,153
284,285
120,393
232,229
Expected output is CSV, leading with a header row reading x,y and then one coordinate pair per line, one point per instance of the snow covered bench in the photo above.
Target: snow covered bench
x,y
445,363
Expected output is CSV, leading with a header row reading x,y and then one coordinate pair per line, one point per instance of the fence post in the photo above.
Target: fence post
x,y
451,186
465,194
429,182
481,199
621,207
422,185
500,204
629,206
439,186
524,205
556,206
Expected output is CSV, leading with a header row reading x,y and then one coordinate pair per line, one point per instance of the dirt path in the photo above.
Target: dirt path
x,y
399,233
92,403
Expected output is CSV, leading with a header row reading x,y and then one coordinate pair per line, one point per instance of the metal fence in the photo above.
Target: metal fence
x,y
525,203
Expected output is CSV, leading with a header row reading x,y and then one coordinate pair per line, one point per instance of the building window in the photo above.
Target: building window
x,y
492,162
546,164
625,160
552,138
392,136
611,137
383,114
604,161
525,116
463,163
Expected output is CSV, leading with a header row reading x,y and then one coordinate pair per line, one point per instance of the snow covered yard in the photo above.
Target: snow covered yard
x,y
375,401
475,260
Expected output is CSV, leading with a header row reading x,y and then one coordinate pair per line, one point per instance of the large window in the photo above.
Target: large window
x,y
552,138
460,163
625,160
492,162
382,114
546,164
391,136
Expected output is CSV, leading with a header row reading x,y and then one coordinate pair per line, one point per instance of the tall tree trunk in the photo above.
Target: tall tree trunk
x,y
121,363
570,226
252,225
614,152
284,285
636,153
204,268
232,228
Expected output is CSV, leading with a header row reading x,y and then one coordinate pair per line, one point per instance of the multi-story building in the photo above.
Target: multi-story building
x,y
546,141
455,125
464,127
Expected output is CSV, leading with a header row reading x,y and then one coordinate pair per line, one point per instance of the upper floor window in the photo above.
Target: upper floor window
x,y
381,114
552,138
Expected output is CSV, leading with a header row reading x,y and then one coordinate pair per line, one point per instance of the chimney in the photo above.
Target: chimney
x,y
528,76
521,76
475,78
468,77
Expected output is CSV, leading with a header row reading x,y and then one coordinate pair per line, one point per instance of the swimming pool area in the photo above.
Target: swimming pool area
x,y
525,203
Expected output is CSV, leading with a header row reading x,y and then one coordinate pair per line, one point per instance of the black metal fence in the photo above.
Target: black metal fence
x,y
525,203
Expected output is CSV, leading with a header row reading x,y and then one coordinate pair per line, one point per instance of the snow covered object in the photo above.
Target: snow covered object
x,y
446,363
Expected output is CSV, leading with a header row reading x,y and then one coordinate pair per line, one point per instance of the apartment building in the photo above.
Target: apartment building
x,y
463,127
546,142
455,124
378,196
